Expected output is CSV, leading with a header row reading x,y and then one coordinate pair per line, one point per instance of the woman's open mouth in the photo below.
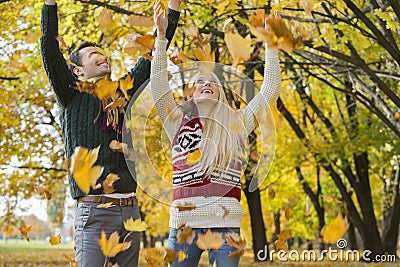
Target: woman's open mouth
x,y
207,91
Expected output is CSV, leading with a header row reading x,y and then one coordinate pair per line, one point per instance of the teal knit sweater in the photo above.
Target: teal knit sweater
x,y
79,110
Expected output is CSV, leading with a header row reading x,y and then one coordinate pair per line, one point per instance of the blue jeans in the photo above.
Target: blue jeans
x,y
220,256
90,221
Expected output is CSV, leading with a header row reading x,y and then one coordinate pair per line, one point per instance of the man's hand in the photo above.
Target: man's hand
x,y
50,2
161,20
174,4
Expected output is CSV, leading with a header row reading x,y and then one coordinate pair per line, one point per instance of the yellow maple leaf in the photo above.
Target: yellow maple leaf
x,y
178,56
112,247
154,256
239,47
135,225
335,229
210,240
117,146
105,20
138,43
105,88
181,255
25,230
82,169
105,205
126,84
55,240
33,37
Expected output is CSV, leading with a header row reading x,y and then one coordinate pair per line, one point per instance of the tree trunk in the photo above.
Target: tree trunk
x,y
352,237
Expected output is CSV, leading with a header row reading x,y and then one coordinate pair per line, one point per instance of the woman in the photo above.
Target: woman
x,y
206,154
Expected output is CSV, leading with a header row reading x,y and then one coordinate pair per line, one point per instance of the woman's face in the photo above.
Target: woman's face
x,y
206,87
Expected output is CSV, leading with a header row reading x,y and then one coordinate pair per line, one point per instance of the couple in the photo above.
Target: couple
x,y
83,125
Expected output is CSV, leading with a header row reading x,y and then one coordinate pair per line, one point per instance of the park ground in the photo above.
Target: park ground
x,y
20,253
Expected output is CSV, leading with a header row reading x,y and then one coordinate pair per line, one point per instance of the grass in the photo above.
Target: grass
x,y
20,253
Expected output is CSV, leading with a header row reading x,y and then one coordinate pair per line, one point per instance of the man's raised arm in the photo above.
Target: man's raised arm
x,y
60,77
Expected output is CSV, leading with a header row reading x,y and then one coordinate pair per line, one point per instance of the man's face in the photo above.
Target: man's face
x,y
94,64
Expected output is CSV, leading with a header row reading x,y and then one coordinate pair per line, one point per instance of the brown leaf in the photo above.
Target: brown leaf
x,y
178,56
138,43
105,20
186,206
210,240
154,256
185,234
281,245
271,192
140,21
170,255
236,253
33,37
108,183
233,239
284,235
287,212
62,42
105,205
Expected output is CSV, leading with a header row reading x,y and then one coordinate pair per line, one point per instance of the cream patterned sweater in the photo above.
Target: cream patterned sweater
x,y
217,197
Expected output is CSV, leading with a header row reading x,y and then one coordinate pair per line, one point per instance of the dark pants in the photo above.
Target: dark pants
x,y
90,221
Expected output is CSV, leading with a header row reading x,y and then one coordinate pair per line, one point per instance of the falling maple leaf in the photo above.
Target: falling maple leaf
x,y
112,247
126,84
331,199
55,240
140,21
280,243
170,255
154,256
178,56
45,190
118,146
239,47
210,240
138,43
271,192
335,229
105,88
186,206
105,205
181,255
279,36
32,37
193,157
72,262
307,6
108,183
61,41
192,31
185,234
105,20
135,225
287,212
82,169
233,239
25,230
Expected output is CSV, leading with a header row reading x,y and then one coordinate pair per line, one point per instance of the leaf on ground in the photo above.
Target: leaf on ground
x,y
105,20
193,157
108,183
186,206
25,230
135,225
55,240
185,234
111,247
82,169
335,229
210,240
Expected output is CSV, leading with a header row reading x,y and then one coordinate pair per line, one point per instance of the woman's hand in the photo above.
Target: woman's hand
x,y
161,20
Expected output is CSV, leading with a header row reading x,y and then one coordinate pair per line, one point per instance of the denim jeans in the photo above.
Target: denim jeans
x,y
218,256
90,221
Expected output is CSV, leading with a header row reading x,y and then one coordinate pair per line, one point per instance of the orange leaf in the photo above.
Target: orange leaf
x,y
210,240
140,21
126,84
25,230
112,247
233,239
45,191
170,255
284,235
181,255
146,41
105,205
178,56
62,42
335,229
105,20
236,253
287,212
105,88
137,43
154,256
118,103
82,169
185,234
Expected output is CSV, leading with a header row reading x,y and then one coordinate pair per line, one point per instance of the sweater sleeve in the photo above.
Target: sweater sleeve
x,y
141,71
55,65
162,95
270,89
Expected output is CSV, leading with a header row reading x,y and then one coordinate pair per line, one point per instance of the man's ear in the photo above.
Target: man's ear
x,y
78,71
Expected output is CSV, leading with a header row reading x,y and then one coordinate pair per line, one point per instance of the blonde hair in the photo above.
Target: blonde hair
x,y
223,127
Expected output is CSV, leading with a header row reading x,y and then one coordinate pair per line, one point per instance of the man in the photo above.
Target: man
x,y
88,122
